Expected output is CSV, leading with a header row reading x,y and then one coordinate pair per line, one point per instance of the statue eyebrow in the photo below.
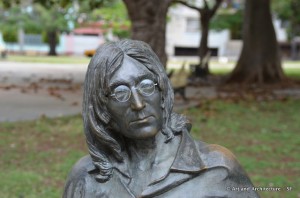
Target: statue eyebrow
x,y
137,79
145,76
117,83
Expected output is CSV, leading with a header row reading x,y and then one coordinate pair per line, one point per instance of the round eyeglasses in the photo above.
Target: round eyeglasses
x,y
122,93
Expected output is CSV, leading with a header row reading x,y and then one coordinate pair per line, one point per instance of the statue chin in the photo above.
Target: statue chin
x,y
143,130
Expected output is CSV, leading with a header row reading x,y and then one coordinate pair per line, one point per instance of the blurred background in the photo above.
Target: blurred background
x,y
234,66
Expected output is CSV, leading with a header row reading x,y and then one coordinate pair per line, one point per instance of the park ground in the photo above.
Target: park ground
x,y
259,124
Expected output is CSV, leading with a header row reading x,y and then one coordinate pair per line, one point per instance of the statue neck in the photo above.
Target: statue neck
x,y
140,149
143,151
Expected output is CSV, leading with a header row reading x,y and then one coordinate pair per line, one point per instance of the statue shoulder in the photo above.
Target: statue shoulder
x,y
79,178
82,167
214,155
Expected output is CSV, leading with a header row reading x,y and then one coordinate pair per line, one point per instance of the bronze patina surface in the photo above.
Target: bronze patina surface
x,y
139,147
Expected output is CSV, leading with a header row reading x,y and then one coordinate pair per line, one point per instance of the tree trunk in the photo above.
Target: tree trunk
x,y
52,42
203,46
259,61
148,20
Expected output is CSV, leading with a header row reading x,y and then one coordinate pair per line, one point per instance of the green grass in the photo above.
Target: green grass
x,y
36,156
293,72
289,66
263,135
48,59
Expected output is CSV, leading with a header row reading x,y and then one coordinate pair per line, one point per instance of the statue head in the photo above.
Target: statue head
x,y
122,75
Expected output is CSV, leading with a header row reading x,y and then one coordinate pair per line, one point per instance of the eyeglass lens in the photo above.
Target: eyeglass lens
x,y
122,93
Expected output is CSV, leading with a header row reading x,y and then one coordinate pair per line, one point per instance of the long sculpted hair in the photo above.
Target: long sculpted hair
x,y
102,144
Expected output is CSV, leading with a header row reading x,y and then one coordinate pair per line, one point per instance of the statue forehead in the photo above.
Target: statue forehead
x,y
130,70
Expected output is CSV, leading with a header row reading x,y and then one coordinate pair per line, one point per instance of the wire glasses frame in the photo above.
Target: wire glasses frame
x,y
122,93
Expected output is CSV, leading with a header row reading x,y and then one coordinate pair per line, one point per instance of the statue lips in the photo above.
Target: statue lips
x,y
145,120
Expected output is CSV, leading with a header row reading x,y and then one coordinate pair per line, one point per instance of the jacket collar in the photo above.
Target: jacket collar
x,y
188,158
178,155
166,153
186,165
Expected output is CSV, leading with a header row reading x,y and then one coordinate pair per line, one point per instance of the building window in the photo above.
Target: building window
x,y
192,25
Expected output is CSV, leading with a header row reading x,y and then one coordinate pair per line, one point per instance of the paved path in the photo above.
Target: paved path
x,y
24,73
31,90
16,105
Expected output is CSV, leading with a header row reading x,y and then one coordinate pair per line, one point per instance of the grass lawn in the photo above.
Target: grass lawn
x,y
291,68
36,156
48,59
264,136
289,72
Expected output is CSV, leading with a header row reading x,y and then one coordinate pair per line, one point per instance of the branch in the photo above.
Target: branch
x,y
187,5
206,5
216,6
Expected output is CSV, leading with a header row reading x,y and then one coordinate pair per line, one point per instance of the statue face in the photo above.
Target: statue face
x,y
135,101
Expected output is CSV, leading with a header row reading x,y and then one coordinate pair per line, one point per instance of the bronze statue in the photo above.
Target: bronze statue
x,y
138,147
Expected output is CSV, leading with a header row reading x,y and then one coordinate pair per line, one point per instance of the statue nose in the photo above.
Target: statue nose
x,y
137,102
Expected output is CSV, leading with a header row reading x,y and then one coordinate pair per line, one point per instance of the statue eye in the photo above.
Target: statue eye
x,y
121,93
146,87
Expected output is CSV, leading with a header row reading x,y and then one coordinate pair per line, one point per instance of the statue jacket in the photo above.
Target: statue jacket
x,y
197,170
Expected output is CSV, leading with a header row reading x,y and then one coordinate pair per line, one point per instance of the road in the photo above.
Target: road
x,y
31,90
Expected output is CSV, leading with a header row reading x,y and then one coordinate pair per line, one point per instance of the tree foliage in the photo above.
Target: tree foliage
x,y
14,18
47,17
231,20
289,12
115,18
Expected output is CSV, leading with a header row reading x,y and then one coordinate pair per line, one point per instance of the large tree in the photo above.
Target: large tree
x,y
53,16
38,17
206,12
259,61
148,23
14,17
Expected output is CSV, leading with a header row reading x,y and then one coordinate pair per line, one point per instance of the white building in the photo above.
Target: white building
x,y
183,36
